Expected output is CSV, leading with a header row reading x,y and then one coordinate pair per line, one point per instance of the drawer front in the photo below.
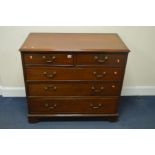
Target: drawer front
x,y
74,89
48,59
69,73
86,105
117,60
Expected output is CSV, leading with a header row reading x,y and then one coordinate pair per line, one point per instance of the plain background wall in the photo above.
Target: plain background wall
x,y
140,40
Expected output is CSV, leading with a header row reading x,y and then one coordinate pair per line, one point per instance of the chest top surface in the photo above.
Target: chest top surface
x,y
74,42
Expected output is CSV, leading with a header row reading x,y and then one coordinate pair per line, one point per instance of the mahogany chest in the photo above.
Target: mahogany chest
x,y
73,74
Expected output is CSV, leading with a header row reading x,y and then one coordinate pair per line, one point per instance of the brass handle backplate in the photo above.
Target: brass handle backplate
x,y
97,90
99,75
51,60
49,75
50,107
96,106
100,59
54,88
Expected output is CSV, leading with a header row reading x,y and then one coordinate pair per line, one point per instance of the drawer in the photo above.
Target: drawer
x,y
62,105
69,73
48,59
102,59
74,89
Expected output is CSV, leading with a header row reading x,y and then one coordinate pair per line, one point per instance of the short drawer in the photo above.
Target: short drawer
x,y
102,59
48,59
78,105
70,73
74,89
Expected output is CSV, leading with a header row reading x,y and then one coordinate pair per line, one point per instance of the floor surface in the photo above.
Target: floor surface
x,y
136,112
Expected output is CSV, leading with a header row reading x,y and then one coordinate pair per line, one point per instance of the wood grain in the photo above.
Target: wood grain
x,y
73,42
73,105
71,73
74,89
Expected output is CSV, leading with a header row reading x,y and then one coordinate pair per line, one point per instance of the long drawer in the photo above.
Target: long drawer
x,y
71,73
74,89
70,105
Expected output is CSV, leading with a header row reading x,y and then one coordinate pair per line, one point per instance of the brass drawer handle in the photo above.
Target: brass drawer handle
x,y
50,88
97,90
49,75
50,107
49,61
96,107
101,60
99,75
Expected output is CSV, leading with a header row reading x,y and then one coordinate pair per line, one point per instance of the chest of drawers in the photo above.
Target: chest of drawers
x,y
73,75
